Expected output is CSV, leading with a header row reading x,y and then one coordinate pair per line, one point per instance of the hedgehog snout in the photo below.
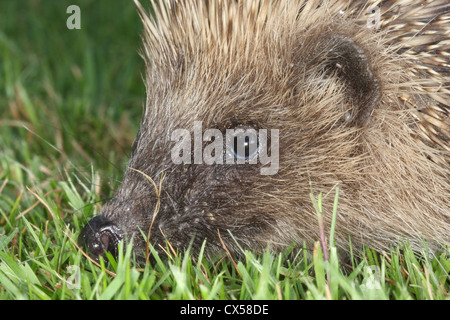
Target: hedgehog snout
x,y
100,235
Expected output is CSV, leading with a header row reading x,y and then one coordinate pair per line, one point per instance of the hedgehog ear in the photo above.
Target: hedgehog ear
x,y
349,62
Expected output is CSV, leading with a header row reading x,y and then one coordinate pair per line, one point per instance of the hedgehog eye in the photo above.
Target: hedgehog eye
x,y
245,146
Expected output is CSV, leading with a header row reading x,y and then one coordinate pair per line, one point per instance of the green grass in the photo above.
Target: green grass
x,y
70,106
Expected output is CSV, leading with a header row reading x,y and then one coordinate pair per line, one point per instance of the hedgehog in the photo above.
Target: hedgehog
x,y
347,94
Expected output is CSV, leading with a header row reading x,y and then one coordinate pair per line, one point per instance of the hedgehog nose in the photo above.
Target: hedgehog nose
x,y
100,235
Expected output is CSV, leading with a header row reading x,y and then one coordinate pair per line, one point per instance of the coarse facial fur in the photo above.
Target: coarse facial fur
x,y
363,109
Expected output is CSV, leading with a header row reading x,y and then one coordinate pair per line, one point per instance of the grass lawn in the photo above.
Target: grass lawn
x,y
70,107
